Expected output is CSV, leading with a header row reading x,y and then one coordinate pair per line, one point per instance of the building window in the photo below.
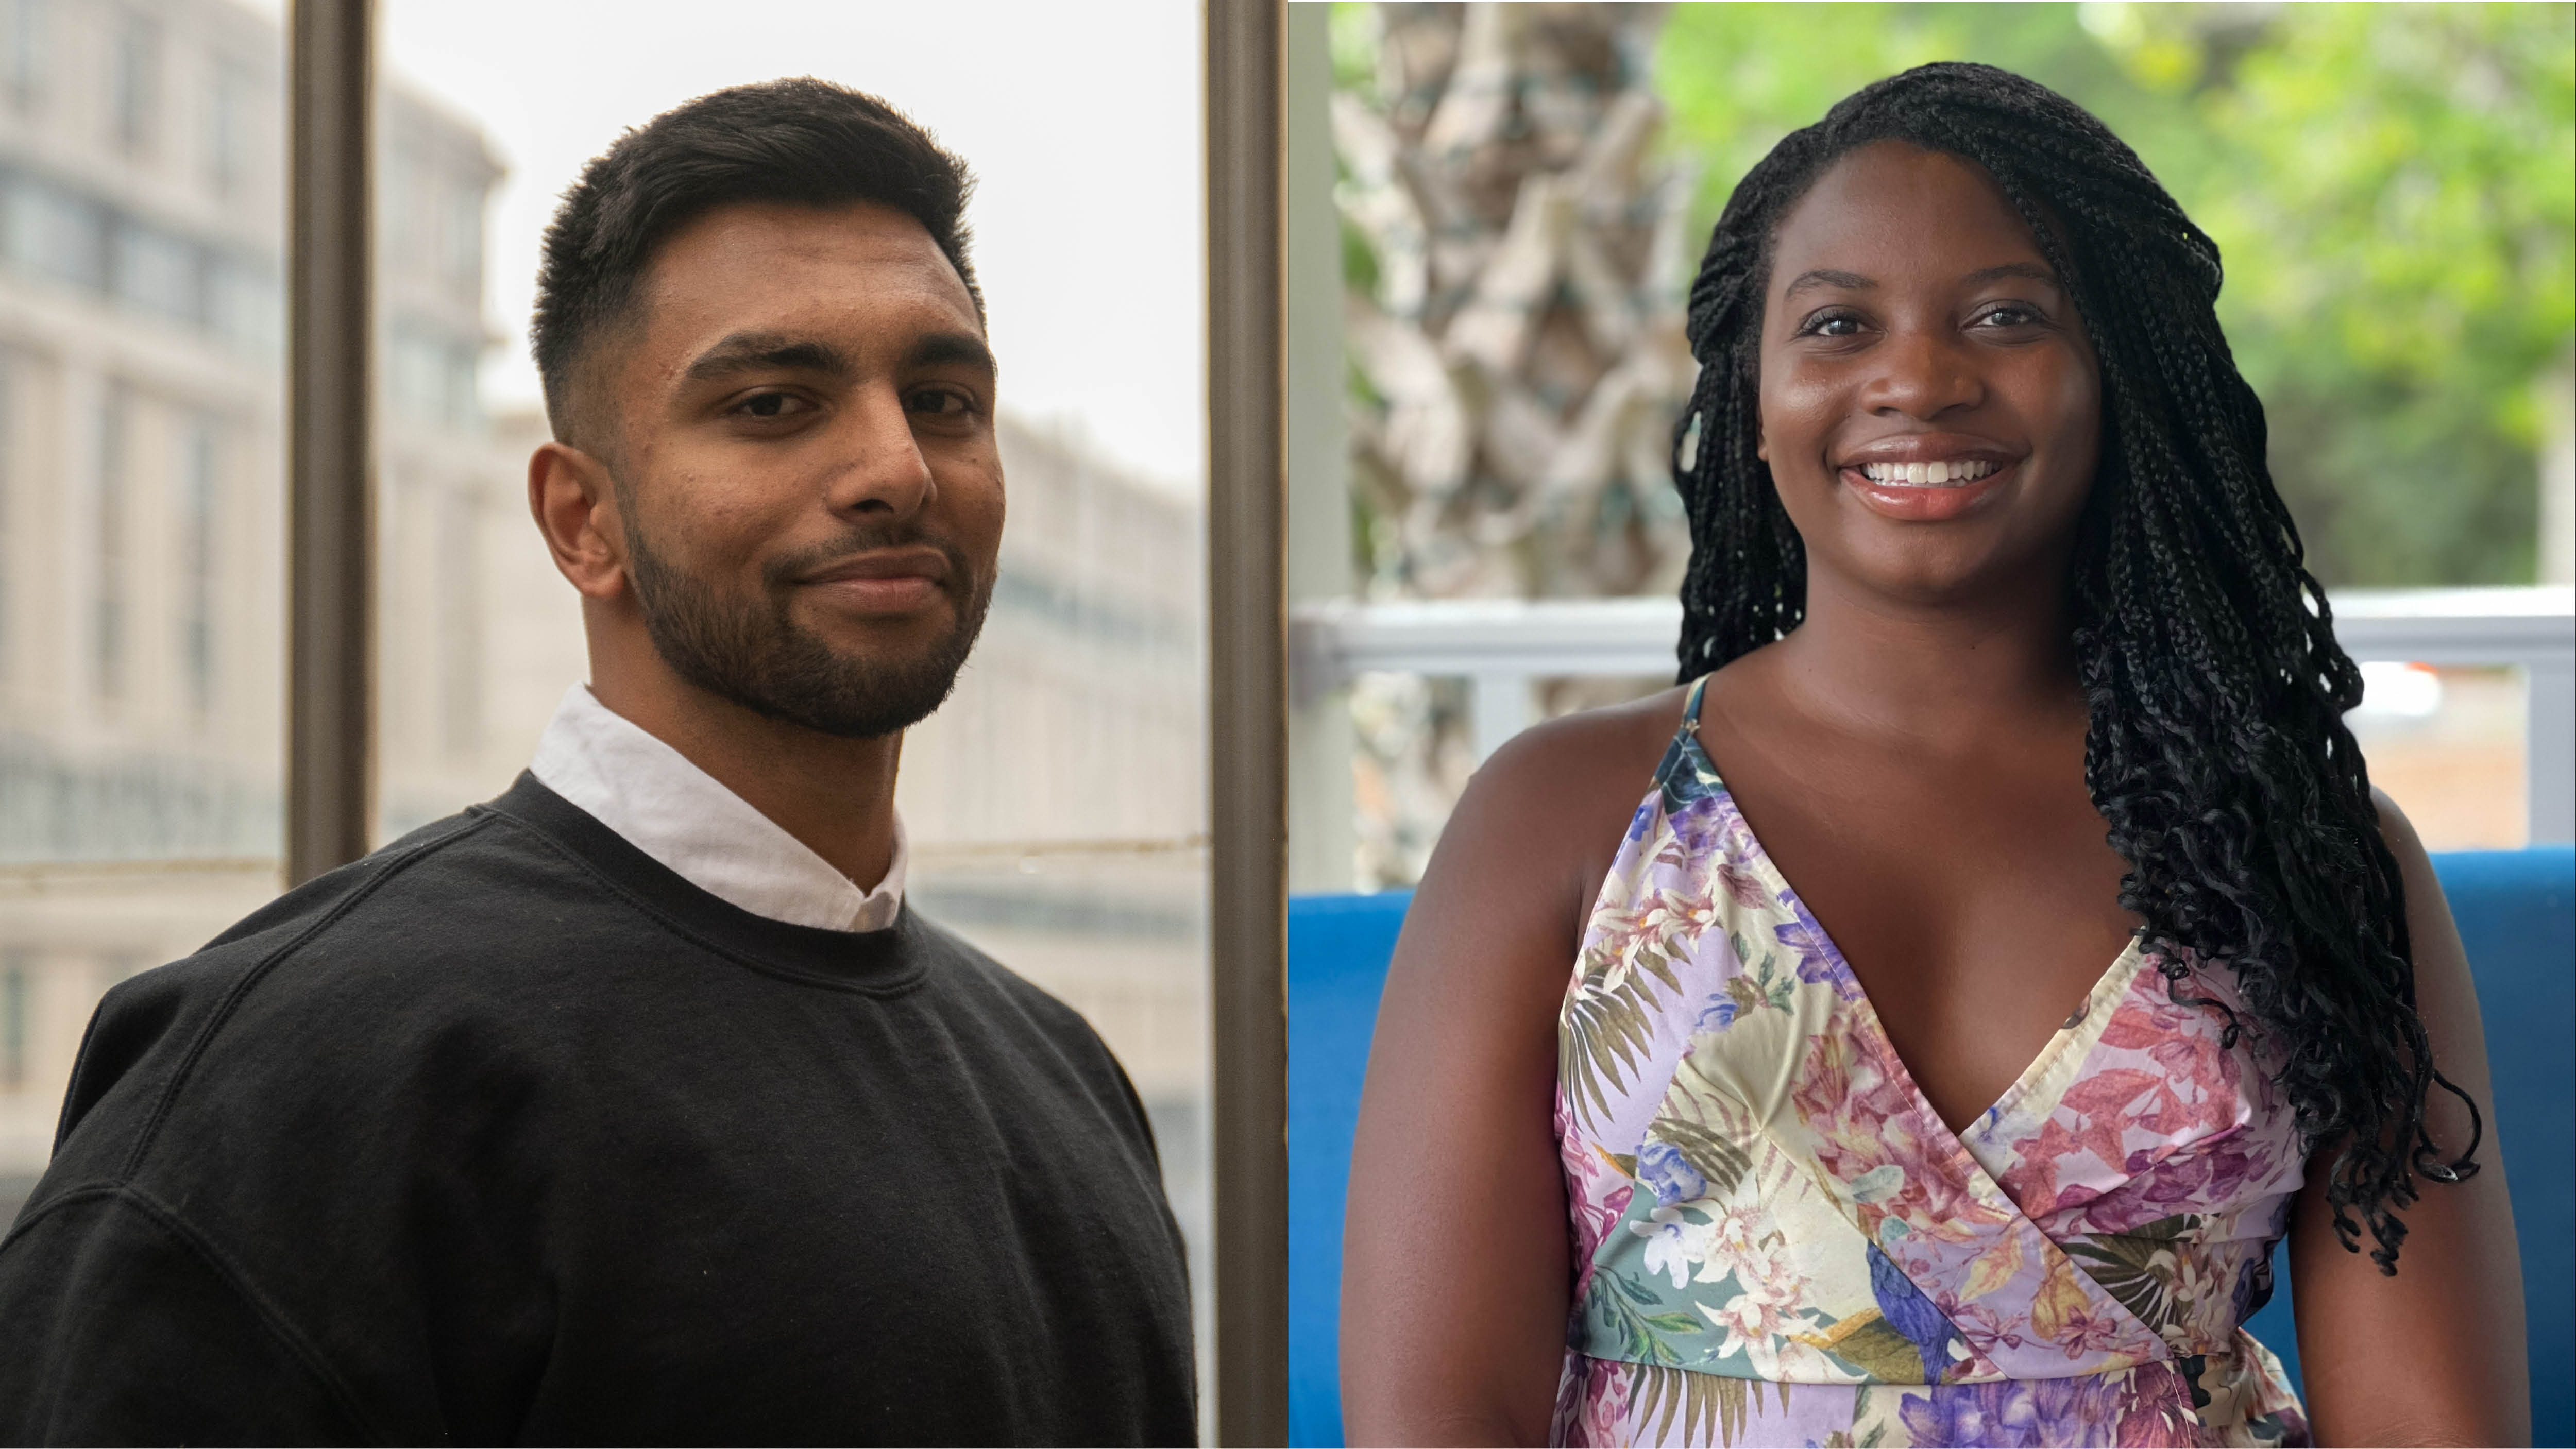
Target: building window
x,y
464,257
460,604
156,272
53,233
108,580
200,491
433,379
14,1021
8,510
134,84
228,128
22,53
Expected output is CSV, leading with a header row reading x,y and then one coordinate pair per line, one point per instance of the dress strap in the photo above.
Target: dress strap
x,y
1690,706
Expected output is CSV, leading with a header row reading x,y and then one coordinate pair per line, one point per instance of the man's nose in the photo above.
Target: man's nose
x,y
1922,373
881,470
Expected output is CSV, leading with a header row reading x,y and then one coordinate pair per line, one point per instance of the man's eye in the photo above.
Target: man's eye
x,y
942,402
771,405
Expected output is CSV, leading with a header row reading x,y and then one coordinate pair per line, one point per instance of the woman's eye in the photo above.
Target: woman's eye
x,y
2010,316
1831,324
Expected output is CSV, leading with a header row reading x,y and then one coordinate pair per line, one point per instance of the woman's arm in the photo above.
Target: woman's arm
x,y
1454,1250
2434,1355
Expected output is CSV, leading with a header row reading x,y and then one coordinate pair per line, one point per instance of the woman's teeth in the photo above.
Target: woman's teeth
x,y
1945,474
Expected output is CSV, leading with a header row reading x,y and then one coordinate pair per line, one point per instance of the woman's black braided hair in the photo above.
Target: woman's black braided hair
x,y
2217,749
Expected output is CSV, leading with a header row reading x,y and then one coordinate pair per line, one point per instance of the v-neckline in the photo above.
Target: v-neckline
x,y
2116,977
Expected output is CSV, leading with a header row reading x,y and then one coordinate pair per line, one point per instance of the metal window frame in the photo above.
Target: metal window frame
x,y
1247,716
330,459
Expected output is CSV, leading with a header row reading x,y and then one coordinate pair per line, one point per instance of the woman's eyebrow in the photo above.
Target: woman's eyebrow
x,y
1826,277
2029,271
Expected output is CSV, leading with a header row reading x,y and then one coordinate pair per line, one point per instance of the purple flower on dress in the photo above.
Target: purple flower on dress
x,y
1642,822
1661,1167
2083,1410
1817,960
1718,1015
1699,826
2000,1414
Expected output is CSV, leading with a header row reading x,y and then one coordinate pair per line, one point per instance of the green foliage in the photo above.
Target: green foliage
x,y
2393,187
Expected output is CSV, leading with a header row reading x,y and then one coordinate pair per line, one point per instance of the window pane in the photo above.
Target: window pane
x,y
141,523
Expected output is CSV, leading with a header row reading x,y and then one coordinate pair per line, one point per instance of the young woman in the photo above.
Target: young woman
x,y
2000,667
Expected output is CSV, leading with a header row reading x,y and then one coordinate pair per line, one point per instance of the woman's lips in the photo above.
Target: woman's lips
x,y
1923,502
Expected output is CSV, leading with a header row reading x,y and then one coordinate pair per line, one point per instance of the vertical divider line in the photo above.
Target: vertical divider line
x,y
330,464
1247,719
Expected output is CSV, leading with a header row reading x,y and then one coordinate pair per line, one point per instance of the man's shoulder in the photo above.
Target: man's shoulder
x,y
453,932
976,973
475,891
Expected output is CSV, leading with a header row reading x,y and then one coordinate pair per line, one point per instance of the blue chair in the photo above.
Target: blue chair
x,y
2517,914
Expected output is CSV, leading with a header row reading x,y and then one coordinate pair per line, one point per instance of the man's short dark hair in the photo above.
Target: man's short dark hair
x,y
800,141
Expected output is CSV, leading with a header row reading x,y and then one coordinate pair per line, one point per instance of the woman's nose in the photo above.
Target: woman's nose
x,y
1922,373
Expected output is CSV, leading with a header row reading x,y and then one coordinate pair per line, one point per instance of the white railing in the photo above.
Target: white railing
x,y
1501,647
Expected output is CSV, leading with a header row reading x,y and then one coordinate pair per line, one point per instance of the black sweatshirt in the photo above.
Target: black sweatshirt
x,y
508,1133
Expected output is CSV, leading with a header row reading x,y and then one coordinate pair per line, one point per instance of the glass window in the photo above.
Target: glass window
x,y
197,509
229,123
142,517
134,83
22,52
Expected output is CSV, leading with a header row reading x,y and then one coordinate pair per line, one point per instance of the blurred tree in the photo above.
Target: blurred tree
x,y
1515,313
2393,186
1515,255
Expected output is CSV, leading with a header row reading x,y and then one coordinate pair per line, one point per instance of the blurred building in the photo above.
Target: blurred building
x,y
142,211
1055,804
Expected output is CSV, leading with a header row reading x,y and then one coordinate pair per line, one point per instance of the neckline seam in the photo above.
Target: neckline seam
x,y
909,978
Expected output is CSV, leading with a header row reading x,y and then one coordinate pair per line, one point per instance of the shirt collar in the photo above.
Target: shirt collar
x,y
684,818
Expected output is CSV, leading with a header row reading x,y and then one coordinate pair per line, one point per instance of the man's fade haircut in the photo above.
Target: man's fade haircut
x,y
798,141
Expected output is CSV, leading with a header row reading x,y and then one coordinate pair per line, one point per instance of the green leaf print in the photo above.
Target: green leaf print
x,y
1711,1407
2137,1267
1606,1029
1878,1350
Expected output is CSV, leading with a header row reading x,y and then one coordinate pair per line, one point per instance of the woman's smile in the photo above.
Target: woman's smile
x,y
1927,477
1926,492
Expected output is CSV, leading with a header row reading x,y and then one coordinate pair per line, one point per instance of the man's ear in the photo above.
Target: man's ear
x,y
574,502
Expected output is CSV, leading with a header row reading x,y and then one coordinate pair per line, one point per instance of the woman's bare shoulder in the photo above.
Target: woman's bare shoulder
x,y
1542,819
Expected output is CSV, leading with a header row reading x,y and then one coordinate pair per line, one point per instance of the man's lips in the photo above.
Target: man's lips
x,y
886,580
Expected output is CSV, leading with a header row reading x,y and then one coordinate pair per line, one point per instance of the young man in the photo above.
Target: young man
x,y
634,1106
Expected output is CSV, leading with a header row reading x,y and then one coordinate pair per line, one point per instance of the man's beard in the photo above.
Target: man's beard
x,y
754,653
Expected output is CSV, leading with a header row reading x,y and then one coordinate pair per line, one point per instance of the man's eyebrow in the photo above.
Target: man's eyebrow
x,y
1826,277
768,352
944,349
2029,271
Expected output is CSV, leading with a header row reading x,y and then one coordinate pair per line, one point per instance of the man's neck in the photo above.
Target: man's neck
x,y
835,795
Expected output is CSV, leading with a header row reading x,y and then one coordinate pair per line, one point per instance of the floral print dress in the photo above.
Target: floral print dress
x,y
1778,1241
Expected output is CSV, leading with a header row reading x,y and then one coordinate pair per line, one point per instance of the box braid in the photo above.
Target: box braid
x,y
2216,749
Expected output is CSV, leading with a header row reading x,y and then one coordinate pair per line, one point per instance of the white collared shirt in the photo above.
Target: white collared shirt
x,y
678,814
